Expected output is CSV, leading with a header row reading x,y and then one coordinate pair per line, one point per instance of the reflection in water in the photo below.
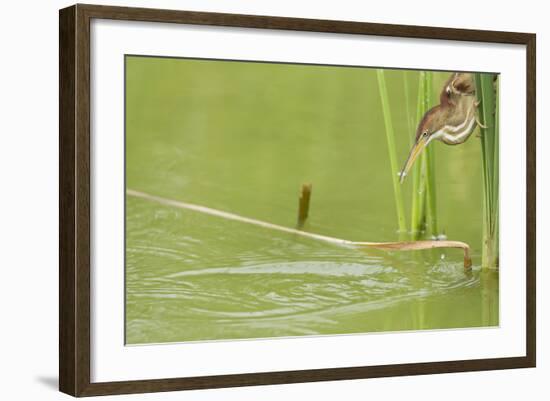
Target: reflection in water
x,y
489,297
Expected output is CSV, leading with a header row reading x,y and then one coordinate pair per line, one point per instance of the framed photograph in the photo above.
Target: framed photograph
x,y
250,200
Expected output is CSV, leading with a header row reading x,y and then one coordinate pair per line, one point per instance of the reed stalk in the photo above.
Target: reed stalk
x,y
303,204
424,200
424,205
400,208
410,122
417,193
430,164
486,90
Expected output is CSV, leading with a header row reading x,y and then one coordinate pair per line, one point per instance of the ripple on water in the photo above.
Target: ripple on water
x,y
316,268
212,284
286,289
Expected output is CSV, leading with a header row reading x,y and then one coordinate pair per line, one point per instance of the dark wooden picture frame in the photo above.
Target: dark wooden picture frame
x,y
74,199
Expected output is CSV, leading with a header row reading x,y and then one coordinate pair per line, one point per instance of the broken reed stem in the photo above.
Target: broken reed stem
x,y
389,246
303,204
419,245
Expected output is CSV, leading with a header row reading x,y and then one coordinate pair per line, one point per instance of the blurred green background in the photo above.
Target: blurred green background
x,y
242,137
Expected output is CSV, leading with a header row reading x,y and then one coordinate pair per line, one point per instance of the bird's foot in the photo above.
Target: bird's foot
x,y
479,123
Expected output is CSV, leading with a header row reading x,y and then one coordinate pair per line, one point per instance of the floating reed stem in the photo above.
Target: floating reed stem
x,y
486,91
400,208
303,204
388,246
418,245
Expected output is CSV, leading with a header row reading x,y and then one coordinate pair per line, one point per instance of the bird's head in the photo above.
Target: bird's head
x,y
431,123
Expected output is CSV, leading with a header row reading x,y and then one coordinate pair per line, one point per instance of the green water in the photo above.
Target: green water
x,y
242,138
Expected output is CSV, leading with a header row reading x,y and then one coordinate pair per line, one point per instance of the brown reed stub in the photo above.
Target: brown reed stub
x,y
303,204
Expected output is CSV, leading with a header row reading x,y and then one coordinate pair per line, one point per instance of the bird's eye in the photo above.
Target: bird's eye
x,y
425,133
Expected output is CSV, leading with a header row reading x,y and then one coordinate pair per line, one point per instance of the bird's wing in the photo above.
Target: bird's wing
x,y
445,95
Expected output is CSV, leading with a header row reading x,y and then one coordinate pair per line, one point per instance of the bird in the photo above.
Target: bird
x,y
452,121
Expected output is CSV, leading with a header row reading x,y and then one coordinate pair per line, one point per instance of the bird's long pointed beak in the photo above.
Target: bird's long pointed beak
x,y
417,148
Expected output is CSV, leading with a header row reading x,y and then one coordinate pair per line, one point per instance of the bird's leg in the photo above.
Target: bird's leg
x,y
476,104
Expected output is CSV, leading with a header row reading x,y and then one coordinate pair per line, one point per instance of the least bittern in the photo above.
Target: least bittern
x,y
451,122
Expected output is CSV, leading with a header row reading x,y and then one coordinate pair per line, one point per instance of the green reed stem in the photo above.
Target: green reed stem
x,y
410,122
424,200
400,208
417,194
430,164
496,188
418,215
488,114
